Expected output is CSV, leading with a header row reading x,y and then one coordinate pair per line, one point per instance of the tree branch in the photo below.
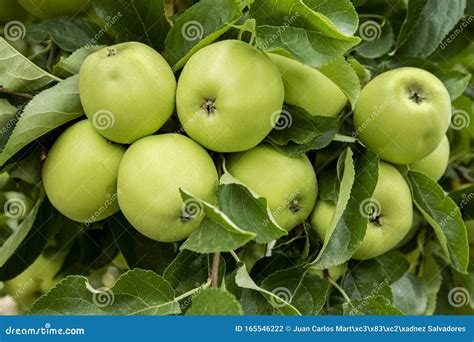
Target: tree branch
x,y
215,269
10,92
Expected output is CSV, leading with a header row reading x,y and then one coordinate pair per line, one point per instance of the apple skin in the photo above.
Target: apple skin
x,y
403,114
150,176
10,10
227,96
54,8
335,272
393,195
133,84
308,88
80,174
288,183
434,164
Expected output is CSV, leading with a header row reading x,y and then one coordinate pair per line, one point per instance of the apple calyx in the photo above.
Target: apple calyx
x,y
111,52
294,206
209,106
375,217
415,96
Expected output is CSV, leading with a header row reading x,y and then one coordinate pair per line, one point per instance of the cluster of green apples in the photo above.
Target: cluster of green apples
x,y
228,98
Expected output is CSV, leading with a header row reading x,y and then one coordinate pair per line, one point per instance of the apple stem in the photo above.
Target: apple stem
x,y
111,52
341,291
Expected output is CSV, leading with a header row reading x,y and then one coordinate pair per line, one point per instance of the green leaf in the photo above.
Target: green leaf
x,y
444,216
198,27
20,233
136,292
279,304
142,21
216,233
409,295
373,277
348,226
362,73
19,74
374,306
214,302
69,33
138,250
7,119
431,278
426,24
463,197
297,132
306,291
47,111
377,38
46,223
315,32
341,72
248,211
69,66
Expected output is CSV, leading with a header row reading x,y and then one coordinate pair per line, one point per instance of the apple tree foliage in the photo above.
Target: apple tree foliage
x,y
254,265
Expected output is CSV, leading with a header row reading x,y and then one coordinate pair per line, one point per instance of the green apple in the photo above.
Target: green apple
x,y
54,8
150,176
37,279
229,96
403,114
308,88
390,214
434,164
10,10
80,174
288,183
334,272
127,91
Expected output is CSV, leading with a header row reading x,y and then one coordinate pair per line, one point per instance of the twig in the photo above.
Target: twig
x,y
10,92
215,269
191,292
